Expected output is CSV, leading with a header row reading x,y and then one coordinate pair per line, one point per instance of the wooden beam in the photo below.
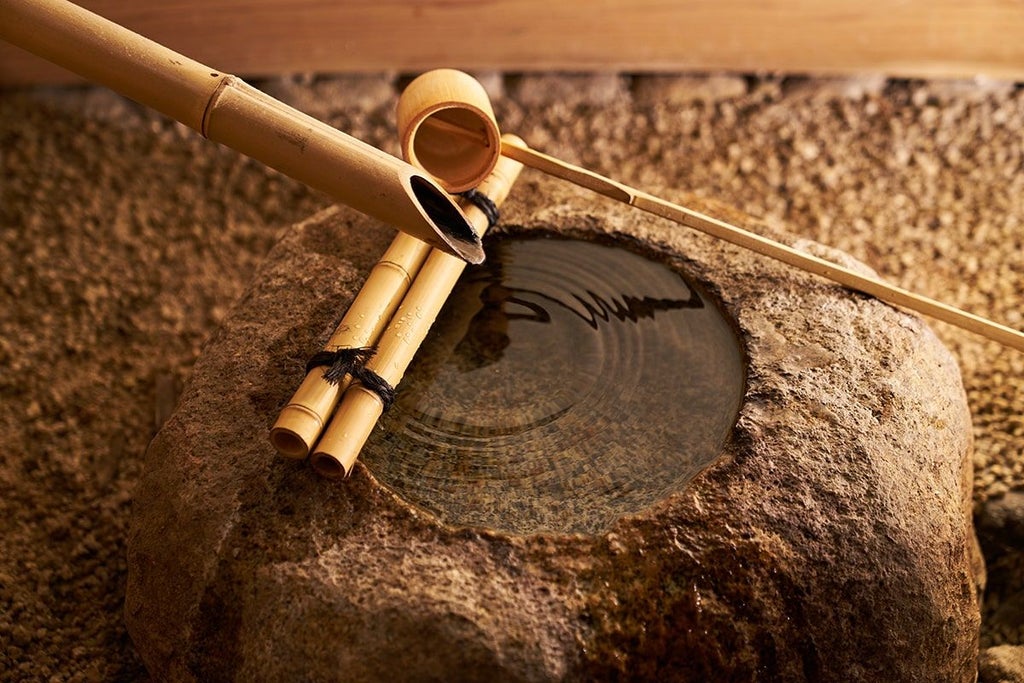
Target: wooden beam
x,y
945,38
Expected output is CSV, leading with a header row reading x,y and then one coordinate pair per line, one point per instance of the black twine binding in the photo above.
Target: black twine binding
x,y
352,361
377,384
485,204
340,362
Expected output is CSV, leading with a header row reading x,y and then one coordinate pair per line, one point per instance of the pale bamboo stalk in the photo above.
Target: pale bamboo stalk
x,y
360,408
302,420
430,106
227,110
762,245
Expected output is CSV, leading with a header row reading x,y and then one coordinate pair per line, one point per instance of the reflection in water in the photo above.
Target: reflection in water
x,y
565,384
487,335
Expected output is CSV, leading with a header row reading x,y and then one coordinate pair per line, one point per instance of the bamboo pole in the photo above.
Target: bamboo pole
x,y
302,420
360,408
227,110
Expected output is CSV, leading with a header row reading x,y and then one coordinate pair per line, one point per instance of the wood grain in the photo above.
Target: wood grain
x,y
262,37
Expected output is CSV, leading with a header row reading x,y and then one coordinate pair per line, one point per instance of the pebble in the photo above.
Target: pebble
x,y
1001,664
568,90
679,91
323,97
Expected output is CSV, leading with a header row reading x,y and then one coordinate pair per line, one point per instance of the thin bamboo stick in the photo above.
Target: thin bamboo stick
x,y
227,110
302,420
765,246
360,408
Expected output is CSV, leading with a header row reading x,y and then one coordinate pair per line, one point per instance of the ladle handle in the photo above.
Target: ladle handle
x,y
469,123
762,245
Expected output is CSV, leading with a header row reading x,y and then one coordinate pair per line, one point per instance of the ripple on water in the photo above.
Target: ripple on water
x,y
565,384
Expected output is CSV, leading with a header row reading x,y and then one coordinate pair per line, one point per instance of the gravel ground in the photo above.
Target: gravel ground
x,y
126,237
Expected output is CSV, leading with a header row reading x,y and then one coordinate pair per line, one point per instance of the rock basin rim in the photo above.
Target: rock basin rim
x,y
842,501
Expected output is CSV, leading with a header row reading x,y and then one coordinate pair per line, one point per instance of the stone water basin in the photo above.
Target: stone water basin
x,y
566,384
823,534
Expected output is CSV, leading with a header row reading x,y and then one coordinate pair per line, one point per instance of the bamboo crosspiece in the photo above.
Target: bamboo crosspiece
x,y
360,408
302,420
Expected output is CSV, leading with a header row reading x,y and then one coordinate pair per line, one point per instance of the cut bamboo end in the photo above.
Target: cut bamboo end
x,y
328,466
447,127
449,230
299,424
337,451
296,428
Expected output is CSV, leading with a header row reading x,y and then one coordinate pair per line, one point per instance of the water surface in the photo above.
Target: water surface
x,y
565,384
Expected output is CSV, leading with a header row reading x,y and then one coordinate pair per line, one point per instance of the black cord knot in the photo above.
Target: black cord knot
x,y
340,362
485,204
377,384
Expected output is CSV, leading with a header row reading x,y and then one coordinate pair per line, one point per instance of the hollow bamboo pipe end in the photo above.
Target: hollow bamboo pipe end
x,y
344,437
295,431
447,128
328,466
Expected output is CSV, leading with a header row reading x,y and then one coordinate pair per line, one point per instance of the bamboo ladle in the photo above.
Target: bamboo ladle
x,y
227,110
457,125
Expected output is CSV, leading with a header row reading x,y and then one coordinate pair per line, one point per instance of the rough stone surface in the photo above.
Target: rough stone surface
x,y
831,541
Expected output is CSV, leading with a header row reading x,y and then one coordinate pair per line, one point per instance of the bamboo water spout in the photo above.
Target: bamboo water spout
x,y
227,110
